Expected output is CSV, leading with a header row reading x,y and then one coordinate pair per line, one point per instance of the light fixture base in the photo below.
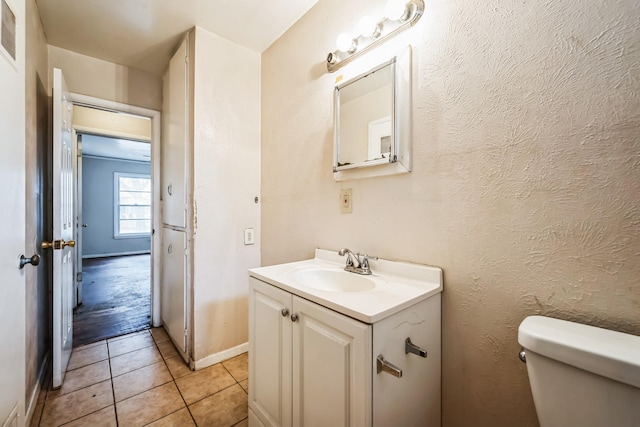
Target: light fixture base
x,y
386,29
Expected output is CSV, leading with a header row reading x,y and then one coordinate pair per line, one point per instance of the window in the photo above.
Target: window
x,y
132,205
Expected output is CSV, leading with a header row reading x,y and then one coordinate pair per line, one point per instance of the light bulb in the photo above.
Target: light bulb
x,y
345,43
368,27
395,9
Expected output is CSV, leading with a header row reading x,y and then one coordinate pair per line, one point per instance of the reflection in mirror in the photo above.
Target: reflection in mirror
x,y
365,107
372,121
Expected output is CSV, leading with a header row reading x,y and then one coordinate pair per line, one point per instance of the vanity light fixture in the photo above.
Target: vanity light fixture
x,y
399,15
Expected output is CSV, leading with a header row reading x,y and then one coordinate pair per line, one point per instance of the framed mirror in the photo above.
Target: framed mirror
x,y
372,121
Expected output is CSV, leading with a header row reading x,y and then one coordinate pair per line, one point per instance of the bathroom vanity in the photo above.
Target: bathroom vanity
x,y
334,348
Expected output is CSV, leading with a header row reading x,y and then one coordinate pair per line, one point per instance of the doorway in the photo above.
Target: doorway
x,y
114,193
116,212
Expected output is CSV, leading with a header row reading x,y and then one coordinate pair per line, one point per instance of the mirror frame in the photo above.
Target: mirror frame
x,y
399,160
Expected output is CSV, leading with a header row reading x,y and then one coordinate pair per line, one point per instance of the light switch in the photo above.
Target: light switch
x,y
249,237
345,201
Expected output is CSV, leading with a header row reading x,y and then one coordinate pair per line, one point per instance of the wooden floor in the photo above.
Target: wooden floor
x,y
116,298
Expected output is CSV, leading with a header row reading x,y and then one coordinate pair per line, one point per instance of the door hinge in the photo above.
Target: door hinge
x,y
78,277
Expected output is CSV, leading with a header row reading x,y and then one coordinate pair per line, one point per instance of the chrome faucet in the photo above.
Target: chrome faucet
x,y
361,259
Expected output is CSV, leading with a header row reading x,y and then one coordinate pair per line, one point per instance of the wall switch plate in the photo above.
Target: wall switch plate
x,y
346,196
249,237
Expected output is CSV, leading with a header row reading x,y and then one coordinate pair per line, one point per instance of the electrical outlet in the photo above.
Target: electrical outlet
x,y
249,237
346,196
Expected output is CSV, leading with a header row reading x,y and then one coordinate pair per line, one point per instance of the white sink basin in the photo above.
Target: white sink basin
x,y
332,280
392,287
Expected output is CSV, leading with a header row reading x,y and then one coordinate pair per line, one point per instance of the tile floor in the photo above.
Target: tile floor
x,y
139,379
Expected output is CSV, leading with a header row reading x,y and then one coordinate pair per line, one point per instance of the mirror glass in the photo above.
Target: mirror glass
x,y
364,119
372,119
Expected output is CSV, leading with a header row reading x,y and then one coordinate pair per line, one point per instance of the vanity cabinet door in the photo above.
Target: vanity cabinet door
x,y
270,354
331,368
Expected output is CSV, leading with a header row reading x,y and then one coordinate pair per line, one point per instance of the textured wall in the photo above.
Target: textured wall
x,y
526,180
38,220
226,179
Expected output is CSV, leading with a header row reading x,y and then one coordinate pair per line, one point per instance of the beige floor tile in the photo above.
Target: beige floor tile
x,y
140,380
243,423
177,367
149,406
181,418
136,359
223,409
81,378
129,344
159,335
86,346
104,418
204,382
238,366
121,337
77,404
167,350
80,358
245,385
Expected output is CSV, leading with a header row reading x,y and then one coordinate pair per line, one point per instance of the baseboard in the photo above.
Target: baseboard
x,y
33,401
212,359
116,254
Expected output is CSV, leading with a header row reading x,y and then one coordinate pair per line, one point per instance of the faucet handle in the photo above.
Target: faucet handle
x,y
366,258
349,260
364,263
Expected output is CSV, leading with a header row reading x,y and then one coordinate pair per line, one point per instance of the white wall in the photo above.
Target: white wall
x,y
226,165
38,219
101,79
525,186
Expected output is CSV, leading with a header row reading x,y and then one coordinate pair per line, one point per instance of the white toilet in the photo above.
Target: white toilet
x,y
581,375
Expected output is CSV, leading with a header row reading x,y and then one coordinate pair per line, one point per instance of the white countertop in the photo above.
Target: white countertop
x,y
398,285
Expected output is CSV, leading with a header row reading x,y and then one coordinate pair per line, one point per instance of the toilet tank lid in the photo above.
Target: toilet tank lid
x,y
608,353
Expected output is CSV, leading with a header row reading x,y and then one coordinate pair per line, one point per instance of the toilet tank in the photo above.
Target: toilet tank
x,y
581,375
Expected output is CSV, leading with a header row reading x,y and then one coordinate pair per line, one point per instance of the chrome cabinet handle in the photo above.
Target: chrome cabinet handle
x,y
388,367
284,312
410,347
294,317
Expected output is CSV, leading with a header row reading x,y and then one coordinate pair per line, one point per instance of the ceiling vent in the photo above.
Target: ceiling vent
x,y
8,29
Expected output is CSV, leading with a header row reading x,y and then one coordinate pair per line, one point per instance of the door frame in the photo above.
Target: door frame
x,y
155,117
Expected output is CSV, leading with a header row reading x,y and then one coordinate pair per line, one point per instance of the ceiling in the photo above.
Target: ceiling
x,y
144,33
115,148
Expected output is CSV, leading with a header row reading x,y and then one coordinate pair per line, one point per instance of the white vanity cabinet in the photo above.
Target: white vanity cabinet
x,y
312,366
308,365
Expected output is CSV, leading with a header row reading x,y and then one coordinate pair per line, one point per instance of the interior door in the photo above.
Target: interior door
x,y
174,291
12,220
63,228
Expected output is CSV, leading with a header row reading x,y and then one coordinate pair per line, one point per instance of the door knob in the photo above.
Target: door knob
x,y
58,244
34,260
